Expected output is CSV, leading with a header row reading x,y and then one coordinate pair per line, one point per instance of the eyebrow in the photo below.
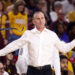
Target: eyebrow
x,y
38,18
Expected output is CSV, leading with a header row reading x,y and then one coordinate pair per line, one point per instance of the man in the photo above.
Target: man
x,y
2,71
54,14
67,6
43,46
64,66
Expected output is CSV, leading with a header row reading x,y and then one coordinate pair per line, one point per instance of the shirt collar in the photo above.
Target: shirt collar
x,y
36,30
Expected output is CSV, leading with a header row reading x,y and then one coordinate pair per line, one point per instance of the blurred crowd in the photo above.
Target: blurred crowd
x,y
16,18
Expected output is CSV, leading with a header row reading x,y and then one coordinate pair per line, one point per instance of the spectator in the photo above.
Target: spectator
x,y
3,24
74,67
18,19
67,6
71,16
71,30
11,6
31,5
61,19
60,31
10,66
50,5
8,3
57,7
64,66
2,71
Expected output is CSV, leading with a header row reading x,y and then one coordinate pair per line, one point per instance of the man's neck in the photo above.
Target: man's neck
x,y
40,29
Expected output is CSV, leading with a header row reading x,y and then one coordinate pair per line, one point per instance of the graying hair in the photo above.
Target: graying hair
x,y
37,13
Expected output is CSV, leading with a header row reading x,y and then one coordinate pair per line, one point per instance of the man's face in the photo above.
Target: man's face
x,y
64,64
39,20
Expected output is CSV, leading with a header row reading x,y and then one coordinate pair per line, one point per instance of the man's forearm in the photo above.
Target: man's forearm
x,y
12,47
65,47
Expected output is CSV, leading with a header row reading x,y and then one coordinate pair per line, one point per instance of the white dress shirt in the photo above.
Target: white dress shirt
x,y
42,48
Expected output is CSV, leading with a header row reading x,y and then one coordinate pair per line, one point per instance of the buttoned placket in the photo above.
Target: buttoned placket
x,y
40,47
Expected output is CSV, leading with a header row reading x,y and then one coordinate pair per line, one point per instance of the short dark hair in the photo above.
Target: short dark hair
x,y
63,57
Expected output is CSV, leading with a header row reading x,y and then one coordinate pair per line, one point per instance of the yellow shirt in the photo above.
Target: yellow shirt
x,y
70,67
69,54
3,24
18,21
71,16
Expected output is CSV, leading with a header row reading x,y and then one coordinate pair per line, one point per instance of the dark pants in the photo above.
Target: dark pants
x,y
44,71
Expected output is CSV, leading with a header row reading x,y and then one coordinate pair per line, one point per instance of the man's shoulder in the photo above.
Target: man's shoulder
x,y
51,32
33,30
27,31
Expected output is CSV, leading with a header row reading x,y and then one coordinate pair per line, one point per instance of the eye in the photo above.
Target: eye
x,y
42,17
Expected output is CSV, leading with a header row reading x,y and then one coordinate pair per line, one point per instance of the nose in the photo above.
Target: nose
x,y
40,20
